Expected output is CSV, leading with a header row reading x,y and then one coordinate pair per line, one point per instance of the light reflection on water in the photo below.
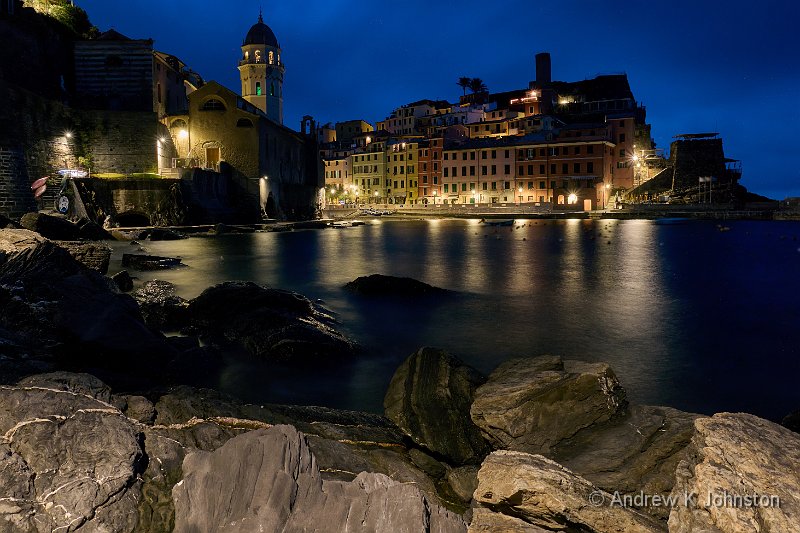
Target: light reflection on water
x,y
687,316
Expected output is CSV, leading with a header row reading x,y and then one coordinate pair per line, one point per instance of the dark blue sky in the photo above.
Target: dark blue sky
x,y
698,66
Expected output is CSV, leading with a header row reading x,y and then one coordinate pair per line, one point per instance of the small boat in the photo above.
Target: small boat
x,y
502,222
341,224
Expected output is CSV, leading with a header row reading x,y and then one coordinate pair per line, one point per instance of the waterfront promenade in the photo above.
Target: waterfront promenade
x,y
641,211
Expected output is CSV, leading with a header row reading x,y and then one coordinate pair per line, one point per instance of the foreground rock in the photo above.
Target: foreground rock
x,y
161,307
67,461
638,451
280,325
222,491
52,227
93,255
531,405
429,398
58,308
380,285
520,492
576,414
733,457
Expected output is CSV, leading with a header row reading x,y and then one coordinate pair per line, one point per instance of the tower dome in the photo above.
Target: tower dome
x,y
260,33
261,70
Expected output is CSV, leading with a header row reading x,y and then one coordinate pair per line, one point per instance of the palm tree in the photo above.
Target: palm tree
x,y
464,84
476,85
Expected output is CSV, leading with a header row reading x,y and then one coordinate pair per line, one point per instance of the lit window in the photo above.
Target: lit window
x,y
258,88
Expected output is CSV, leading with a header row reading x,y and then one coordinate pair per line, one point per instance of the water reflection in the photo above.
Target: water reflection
x,y
672,308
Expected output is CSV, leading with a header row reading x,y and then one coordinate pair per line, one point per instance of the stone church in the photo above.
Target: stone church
x,y
274,170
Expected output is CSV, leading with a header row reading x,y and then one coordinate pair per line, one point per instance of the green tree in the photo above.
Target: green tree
x,y
464,84
476,85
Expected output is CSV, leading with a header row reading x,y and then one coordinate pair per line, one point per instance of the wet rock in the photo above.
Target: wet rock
x,y
52,227
344,442
123,280
91,231
67,461
78,383
463,480
540,492
222,490
56,305
380,285
738,456
96,256
146,262
429,398
426,463
17,240
164,234
280,325
136,408
161,307
635,452
532,405
486,521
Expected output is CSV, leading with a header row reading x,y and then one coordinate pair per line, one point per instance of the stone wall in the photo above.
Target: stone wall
x,y
145,201
16,197
103,141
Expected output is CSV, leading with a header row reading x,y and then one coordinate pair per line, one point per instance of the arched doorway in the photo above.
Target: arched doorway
x,y
132,219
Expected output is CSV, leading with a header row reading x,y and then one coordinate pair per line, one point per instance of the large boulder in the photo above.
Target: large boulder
x,y
637,452
531,405
92,231
96,256
67,461
58,306
161,306
78,383
268,480
272,323
380,285
17,240
742,472
518,490
429,398
52,227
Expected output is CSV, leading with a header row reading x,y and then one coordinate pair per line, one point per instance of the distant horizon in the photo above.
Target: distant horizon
x,y
368,64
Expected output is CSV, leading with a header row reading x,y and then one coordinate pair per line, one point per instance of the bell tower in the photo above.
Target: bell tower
x,y
261,70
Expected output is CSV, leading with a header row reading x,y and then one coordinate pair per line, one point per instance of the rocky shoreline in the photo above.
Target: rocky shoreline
x,y
99,433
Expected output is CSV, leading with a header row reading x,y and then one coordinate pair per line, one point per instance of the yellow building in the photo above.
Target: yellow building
x,y
402,180
369,172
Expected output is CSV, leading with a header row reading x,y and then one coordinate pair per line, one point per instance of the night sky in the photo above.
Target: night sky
x,y
698,66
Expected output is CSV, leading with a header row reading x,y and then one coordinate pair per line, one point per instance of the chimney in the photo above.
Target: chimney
x,y
543,68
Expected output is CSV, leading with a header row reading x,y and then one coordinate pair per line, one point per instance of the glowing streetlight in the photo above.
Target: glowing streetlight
x,y
572,198
183,134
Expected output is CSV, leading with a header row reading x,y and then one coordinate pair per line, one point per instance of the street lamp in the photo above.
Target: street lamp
x,y
520,196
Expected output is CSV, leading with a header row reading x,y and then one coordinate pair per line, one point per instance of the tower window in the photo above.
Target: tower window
x,y
272,90
271,57
258,88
